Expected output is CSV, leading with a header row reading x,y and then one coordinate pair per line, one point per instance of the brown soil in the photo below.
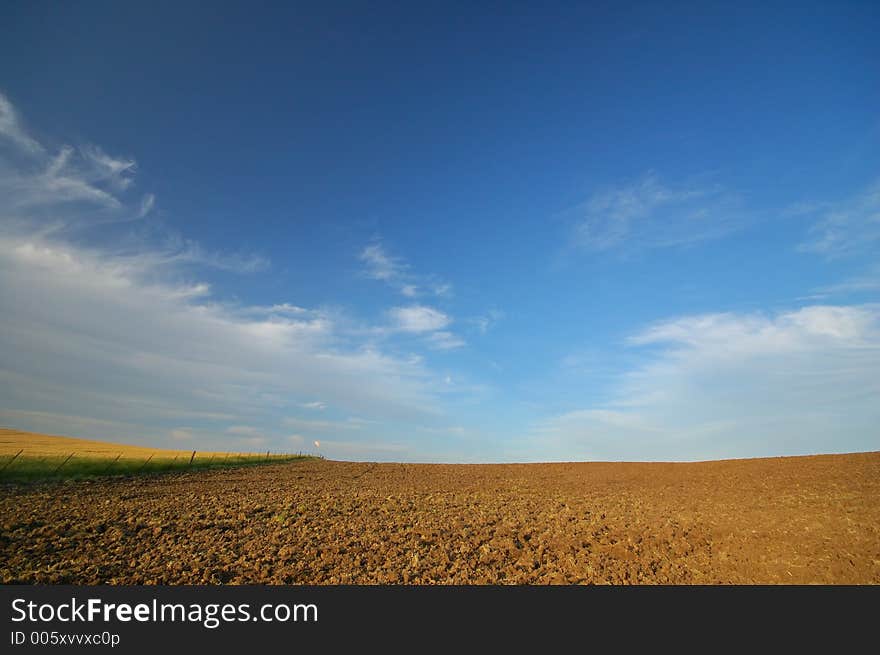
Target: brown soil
x,y
785,520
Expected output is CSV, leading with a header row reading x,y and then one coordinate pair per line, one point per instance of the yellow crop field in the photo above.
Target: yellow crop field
x,y
29,456
35,444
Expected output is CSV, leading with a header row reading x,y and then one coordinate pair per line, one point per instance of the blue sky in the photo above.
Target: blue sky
x,y
519,233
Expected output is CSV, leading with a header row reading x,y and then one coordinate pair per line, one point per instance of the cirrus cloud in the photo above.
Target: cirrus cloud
x,y
737,385
125,333
418,318
650,214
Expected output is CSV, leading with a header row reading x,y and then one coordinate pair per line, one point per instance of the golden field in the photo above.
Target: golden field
x,y
42,445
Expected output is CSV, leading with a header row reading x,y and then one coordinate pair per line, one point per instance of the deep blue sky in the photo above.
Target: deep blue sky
x,y
596,231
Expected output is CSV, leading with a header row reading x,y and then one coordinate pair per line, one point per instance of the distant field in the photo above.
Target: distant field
x,y
11,441
757,521
28,456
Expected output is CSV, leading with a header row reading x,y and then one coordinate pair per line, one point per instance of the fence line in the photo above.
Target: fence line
x,y
110,466
14,457
142,466
62,463
42,466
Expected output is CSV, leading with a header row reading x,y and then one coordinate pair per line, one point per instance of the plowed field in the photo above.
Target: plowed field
x,y
782,520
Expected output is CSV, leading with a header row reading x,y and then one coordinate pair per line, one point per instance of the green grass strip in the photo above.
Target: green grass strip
x,y
31,468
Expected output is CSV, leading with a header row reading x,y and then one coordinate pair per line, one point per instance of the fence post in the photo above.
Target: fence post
x,y
192,457
144,464
110,466
267,455
14,457
62,463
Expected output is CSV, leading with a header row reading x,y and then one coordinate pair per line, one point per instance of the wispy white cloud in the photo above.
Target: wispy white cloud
x,y
395,272
445,340
418,318
126,334
487,321
865,282
650,214
426,322
147,204
379,265
733,335
279,309
11,128
118,173
78,298
848,228
738,385
183,251
441,289
75,191
68,177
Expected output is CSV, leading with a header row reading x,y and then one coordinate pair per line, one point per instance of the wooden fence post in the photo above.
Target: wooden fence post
x,y
14,457
192,457
110,466
144,464
63,463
